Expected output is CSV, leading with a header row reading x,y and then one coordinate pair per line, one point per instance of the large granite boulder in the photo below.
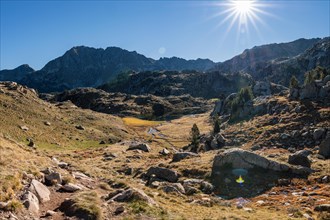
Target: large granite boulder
x,y
258,173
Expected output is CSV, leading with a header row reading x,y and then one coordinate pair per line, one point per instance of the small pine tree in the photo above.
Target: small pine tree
x,y
194,138
216,126
246,94
294,84
309,78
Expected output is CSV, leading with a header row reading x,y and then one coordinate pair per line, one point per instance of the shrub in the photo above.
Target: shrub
x,y
294,84
194,138
216,126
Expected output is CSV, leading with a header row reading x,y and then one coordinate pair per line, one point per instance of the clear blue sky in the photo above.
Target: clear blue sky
x,y
35,32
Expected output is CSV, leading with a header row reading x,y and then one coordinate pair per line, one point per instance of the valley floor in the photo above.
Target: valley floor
x,y
90,152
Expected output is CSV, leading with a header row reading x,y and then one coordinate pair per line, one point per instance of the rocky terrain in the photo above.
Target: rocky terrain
x,y
168,144
278,62
166,83
142,106
79,164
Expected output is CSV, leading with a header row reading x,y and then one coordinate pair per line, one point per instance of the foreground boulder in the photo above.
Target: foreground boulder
x,y
163,173
40,190
240,173
31,202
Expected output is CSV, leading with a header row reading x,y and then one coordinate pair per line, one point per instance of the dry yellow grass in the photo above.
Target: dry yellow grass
x,y
14,160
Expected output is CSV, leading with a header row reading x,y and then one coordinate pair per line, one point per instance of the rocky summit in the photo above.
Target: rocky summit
x,y
168,139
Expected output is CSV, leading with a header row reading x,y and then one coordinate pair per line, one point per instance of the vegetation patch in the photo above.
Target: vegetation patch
x,y
136,122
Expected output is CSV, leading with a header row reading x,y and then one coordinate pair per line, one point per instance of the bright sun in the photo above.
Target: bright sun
x,y
244,13
243,7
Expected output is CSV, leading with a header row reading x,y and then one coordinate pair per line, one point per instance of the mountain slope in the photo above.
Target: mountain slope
x,y
89,67
281,70
16,74
248,60
166,83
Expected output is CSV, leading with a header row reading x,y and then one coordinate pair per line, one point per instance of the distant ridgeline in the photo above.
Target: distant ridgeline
x,y
117,70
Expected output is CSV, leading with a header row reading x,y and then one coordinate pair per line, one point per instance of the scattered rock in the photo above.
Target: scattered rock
x,y
47,123
31,202
139,146
325,147
260,202
163,173
119,210
70,187
3,205
325,179
12,217
182,155
322,208
52,177
164,152
308,217
131,194
206,187
63,165
24,128
80,127
318,133
40,190
173,187
50,213
247,209
300,158
81,176
31,143
102,142
255,147
283,182
284,136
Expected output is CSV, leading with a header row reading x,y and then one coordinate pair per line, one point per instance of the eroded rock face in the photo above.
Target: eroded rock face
x,y
259,175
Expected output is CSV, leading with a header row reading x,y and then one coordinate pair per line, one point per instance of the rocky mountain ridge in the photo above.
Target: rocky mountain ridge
x,y
278,62
89,67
